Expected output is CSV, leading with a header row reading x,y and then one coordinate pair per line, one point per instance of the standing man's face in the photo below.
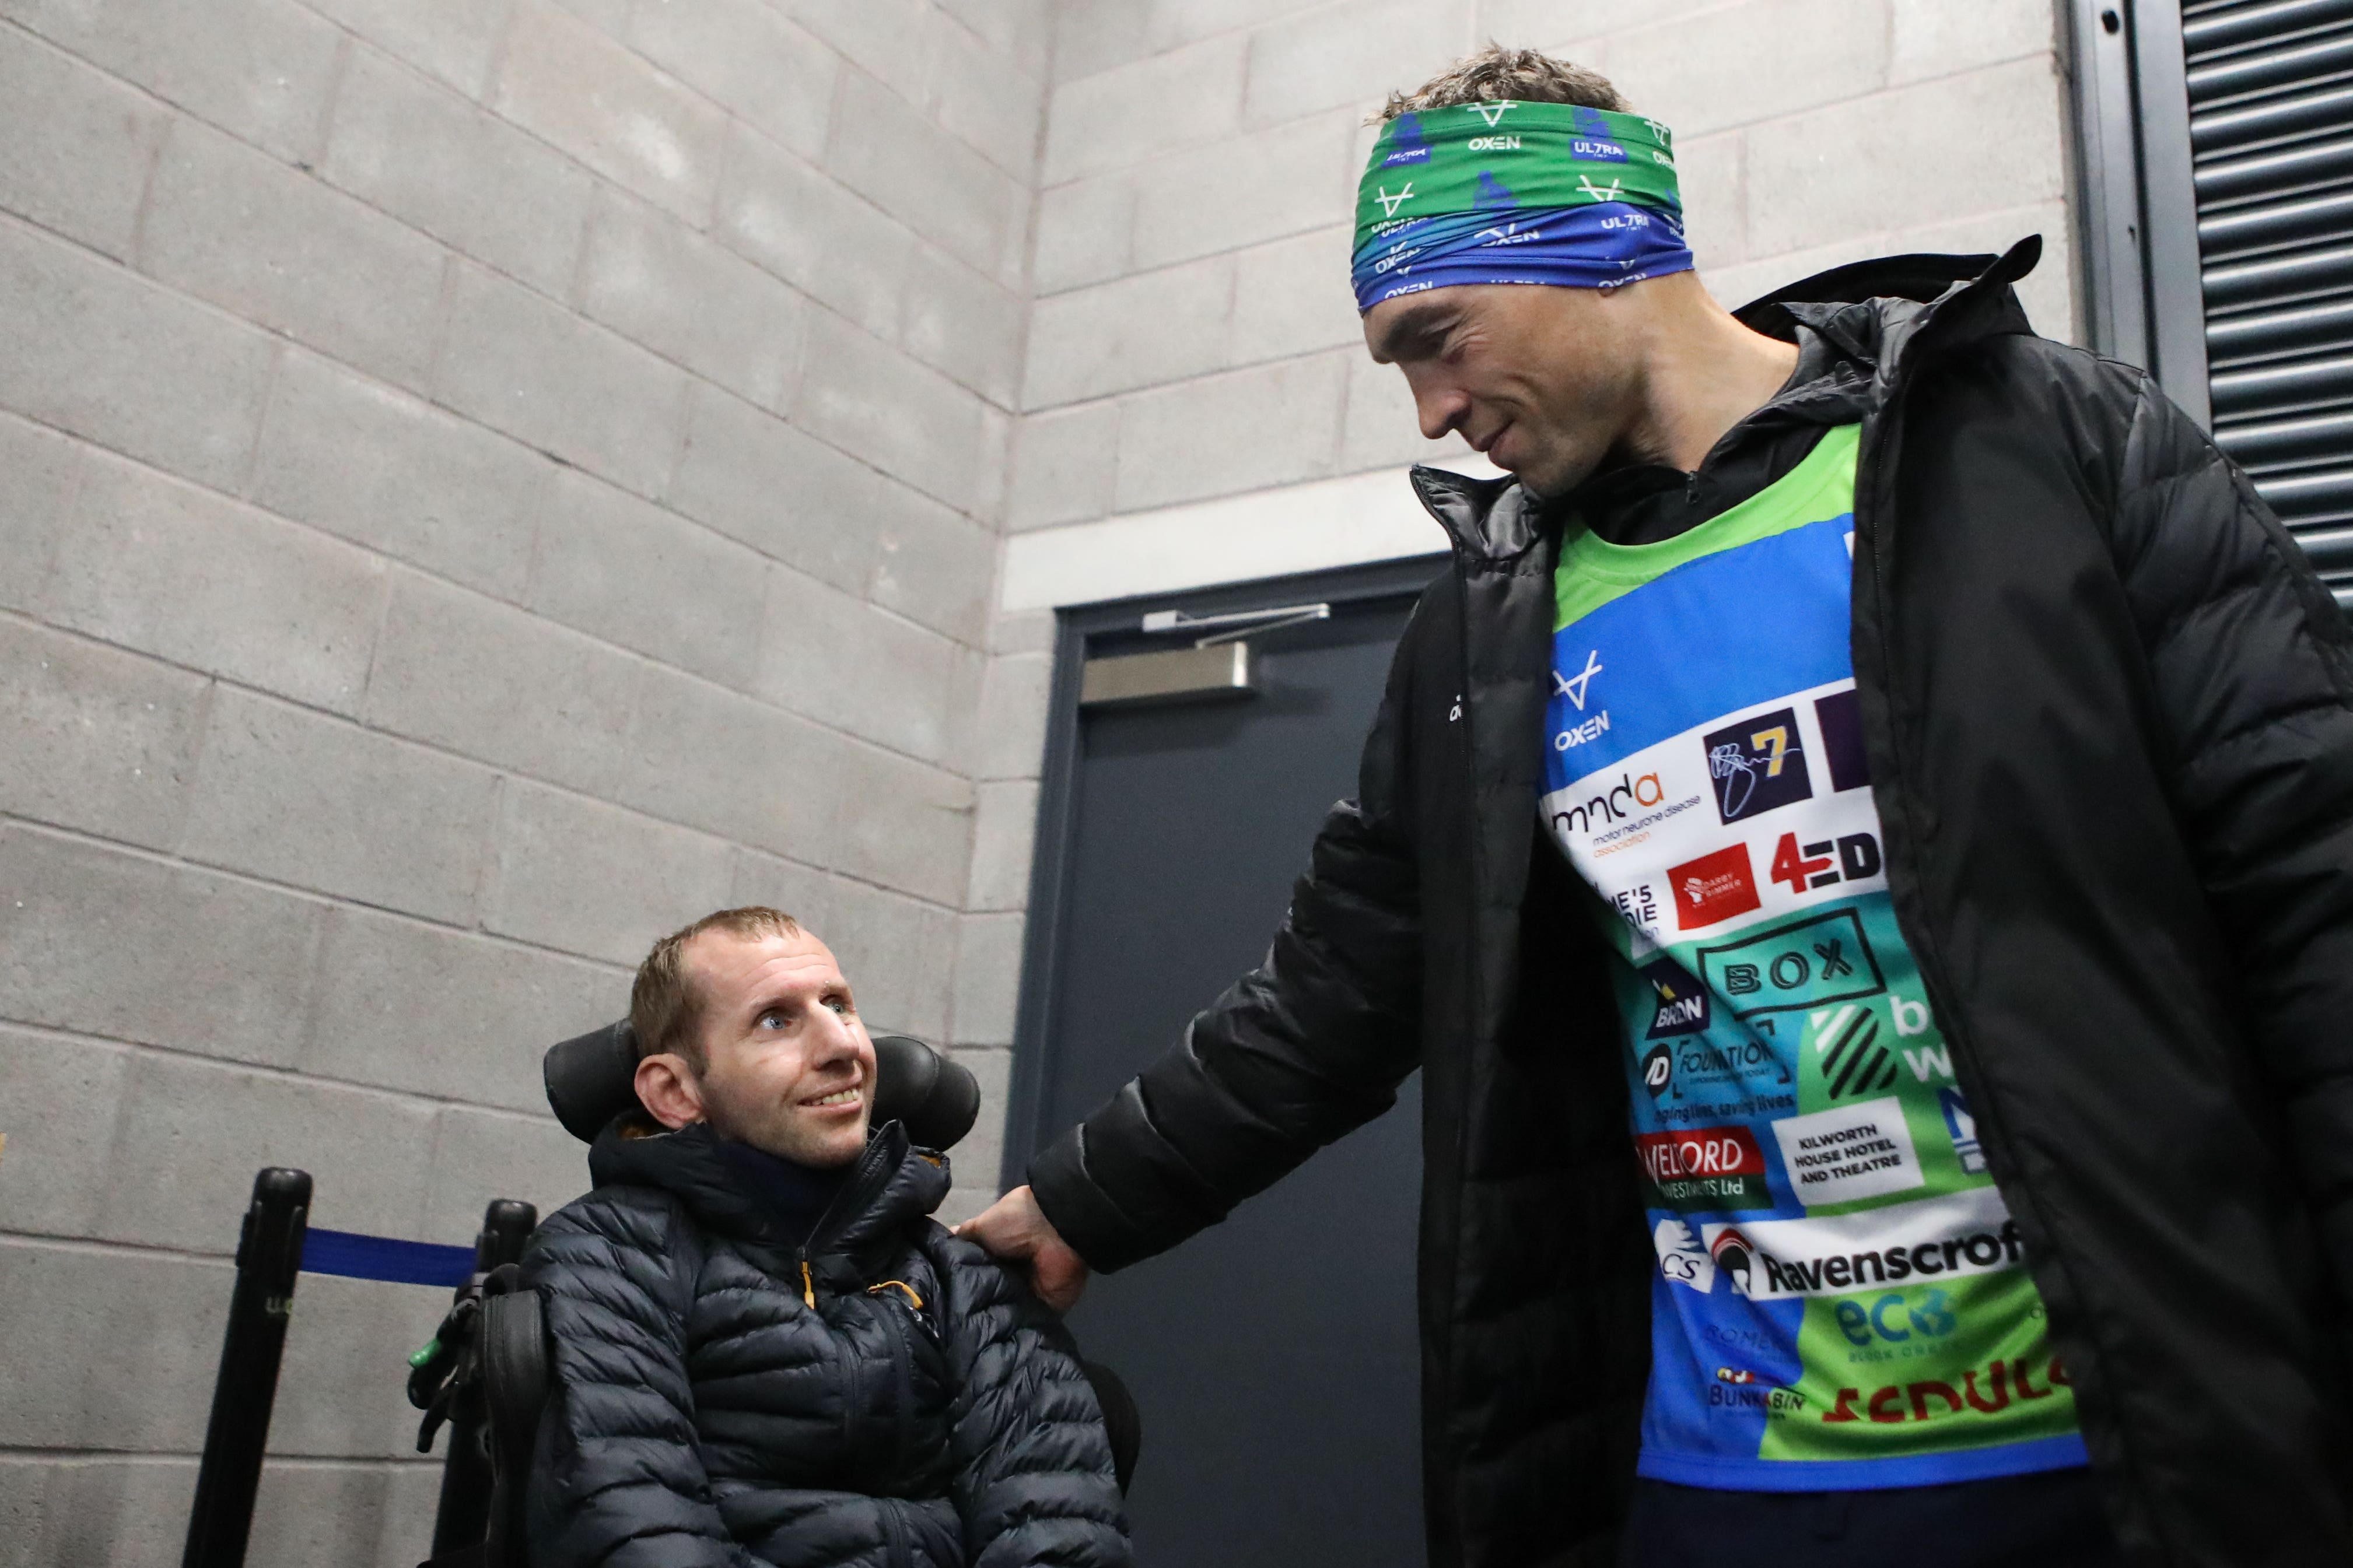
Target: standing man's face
x,y
1543,380
787,1066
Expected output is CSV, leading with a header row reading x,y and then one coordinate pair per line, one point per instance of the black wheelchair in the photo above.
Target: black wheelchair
x,y
484,1375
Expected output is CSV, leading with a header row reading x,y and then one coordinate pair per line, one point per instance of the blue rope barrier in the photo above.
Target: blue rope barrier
x,y
357,1257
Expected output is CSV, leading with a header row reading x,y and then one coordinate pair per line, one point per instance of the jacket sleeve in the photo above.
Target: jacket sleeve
x,y
1306,1048
619,1481
2253,666
1034,1482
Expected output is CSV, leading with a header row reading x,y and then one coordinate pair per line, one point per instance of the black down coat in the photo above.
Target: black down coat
x,y
902,1403
2108,713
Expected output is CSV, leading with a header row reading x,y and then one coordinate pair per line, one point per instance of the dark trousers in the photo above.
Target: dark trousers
x,y
2051,1519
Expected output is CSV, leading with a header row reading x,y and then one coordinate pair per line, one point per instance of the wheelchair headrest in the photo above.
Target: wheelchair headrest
x,y
591,1078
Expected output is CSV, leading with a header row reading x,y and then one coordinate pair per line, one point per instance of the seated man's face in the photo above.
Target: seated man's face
x,y
787,1065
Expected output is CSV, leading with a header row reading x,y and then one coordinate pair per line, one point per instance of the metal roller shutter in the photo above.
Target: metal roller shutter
x,y
2271,136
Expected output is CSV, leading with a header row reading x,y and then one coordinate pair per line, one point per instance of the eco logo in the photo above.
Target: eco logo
x,y
1704,1168
1757,764
1806,963
1714,888
1896,1318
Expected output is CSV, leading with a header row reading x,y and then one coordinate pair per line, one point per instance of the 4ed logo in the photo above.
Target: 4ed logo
x,y
1757,764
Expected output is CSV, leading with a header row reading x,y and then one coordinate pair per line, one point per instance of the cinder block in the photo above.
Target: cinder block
x,y
1095,124
800,892
929,181
833,246
529,367
77,157
297,797
987,90
1170,24
732,766
1273,425
964,707
98,738
688,298
340,1395
259,70
933,565
2048,292
899,956
744,57
845,663
904,825
956,321
478,1156
1986,141
397,475
1063,464
1017,29
497,684
1293,298
976,1161
1549,24
877,34
452,1014
42,467
631,573
276,247
1382,429
1142,330
1286,181
1933,40
311,1512
1763,60
102,1509
414,1496
989,471
455,40
57,1104
1004,831
1023,631
177,571
440,162
1351,54
1091,38
110,1349
191,1134
1084,234
1713,171
583,876
1014,700
876,404
565,80
108,355
757,480
988,978
224,967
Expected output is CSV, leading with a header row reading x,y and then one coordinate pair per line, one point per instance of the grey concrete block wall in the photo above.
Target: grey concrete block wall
x,y
479,485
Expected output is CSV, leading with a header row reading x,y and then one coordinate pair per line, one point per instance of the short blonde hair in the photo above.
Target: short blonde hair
x,y
665,1006
1496,73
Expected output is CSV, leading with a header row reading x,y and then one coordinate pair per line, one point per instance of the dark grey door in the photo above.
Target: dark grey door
x,y
1273,1358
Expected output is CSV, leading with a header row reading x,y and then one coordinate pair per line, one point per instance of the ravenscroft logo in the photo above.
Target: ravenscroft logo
x,y
1853,1152
1683,1001
1820,959
1958,1236
1713,887
1703,1168
1757,764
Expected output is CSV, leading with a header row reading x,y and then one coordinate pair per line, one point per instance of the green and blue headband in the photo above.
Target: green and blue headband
x,y
1516,192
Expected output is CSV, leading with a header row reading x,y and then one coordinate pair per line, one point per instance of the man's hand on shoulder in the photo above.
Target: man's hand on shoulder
x,y
1014,1230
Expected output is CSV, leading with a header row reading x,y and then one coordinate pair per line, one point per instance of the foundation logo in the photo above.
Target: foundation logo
x,y
1756,765
1713,887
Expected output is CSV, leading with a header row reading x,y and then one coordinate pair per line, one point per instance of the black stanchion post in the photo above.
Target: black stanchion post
x,y
268,1256
464,1514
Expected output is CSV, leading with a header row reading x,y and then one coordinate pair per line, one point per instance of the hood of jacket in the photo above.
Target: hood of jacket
x,y
891,1186
1882,317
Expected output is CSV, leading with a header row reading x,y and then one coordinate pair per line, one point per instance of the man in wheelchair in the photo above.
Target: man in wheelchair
x,y
762,1349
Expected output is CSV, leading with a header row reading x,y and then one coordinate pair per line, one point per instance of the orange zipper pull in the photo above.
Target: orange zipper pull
x,y
897,1285
809,1286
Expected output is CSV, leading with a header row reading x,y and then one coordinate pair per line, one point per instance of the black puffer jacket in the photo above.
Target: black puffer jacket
x,y
2108,712
886,1396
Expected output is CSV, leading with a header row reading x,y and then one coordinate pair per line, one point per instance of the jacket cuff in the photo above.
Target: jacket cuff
x,y
1096,1228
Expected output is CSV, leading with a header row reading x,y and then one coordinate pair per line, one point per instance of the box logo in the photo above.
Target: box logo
x,y
1806,963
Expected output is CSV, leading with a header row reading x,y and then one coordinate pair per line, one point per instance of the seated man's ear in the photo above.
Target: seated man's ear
x,y
666,1087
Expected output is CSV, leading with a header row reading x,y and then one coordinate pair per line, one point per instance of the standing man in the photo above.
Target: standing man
x,y
1860,846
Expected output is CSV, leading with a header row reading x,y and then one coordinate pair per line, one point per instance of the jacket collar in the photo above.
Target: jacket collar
x,y
1893,314
891,1187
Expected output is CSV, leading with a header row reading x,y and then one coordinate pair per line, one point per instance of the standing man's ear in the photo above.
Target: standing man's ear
x,y
668,1087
